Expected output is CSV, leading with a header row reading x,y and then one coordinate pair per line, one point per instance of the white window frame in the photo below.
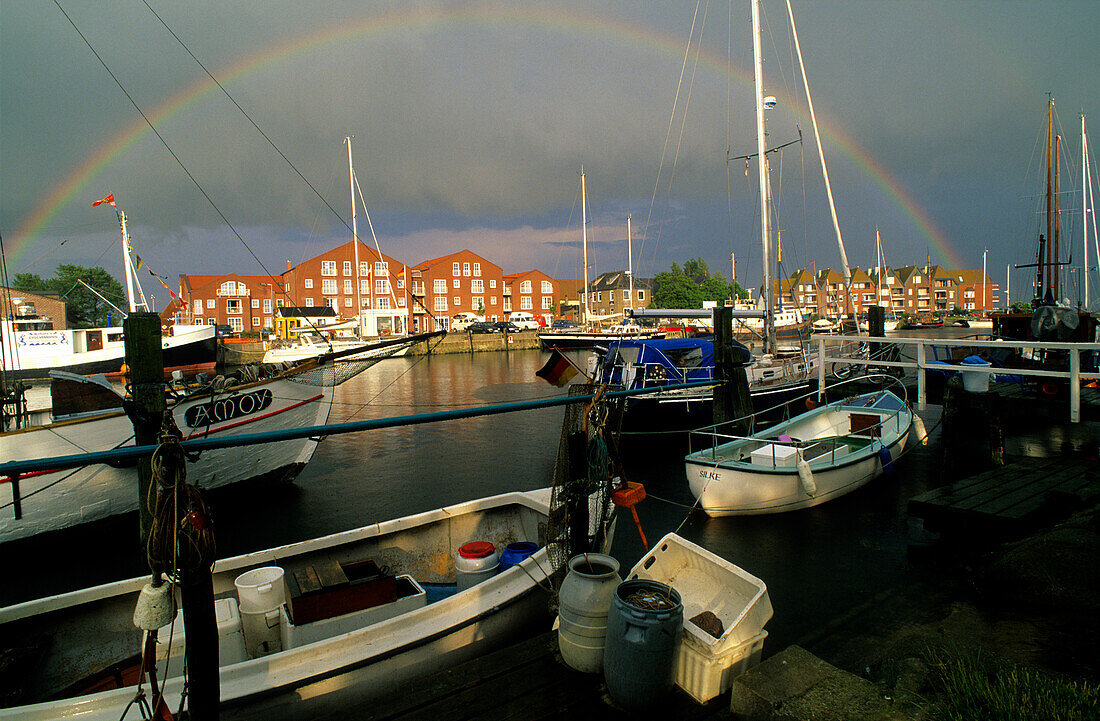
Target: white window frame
x,y
454,270
328,286
477,270
348,287
548,287
328,267
440,302
439,286
347,267
233,305
308,283
255,304
466,269
477,286
525,287
236,324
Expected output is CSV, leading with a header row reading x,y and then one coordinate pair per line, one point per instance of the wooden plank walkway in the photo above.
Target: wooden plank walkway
x,y
524,682
1010,499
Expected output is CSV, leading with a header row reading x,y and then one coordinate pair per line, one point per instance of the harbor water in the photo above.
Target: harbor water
x,y
818,563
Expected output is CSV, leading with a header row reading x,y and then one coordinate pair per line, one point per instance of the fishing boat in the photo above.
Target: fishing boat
x,y
94,419
655,363
815,457
343,619
313,345
919,322
32,347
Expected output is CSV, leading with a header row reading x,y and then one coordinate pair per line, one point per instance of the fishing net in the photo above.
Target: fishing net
x,y
580,500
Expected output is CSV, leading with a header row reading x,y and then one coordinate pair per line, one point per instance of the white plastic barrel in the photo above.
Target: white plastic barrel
x,y
260,593
474,562
975,381
583,601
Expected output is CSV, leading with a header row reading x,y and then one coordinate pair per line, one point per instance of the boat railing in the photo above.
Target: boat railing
x,y
13,470
922,364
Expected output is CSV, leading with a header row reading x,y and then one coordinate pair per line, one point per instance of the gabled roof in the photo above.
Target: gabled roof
x,y
616,279
317,311
968,276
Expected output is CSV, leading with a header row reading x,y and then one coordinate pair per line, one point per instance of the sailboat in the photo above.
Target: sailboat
x,y
589,335
892,321
32,347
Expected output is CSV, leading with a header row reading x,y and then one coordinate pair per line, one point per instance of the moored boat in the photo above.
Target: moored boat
x,y
326,665
819,455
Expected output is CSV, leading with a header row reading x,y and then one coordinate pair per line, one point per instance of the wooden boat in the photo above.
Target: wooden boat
x,y
808,460
312,345
326,666
52,500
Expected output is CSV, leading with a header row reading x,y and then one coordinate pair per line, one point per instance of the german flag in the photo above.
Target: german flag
x,y
558,370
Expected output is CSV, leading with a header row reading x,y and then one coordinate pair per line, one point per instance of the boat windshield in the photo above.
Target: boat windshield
x,y
878,401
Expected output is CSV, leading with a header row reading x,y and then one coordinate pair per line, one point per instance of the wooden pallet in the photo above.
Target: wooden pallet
x,y
1013,498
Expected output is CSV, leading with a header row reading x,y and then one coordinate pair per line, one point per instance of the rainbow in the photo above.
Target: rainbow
x,y
74,188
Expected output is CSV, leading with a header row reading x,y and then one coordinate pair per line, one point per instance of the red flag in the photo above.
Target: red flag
x,y
109,199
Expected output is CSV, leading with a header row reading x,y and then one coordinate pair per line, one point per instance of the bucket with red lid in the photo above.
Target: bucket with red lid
x,y
474,562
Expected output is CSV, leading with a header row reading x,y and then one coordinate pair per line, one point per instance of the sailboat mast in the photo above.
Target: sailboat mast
x,y
878,267
1084,210
355,242
584,247
824,171
128,267
629,262
1050,166
765,219
1057,287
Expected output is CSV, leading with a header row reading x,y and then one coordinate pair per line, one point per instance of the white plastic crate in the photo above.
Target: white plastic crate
x,y
707,582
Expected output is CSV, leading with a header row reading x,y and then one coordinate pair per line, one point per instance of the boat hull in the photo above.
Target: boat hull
x,y
581,339
758,475
54,501
332,674
191,352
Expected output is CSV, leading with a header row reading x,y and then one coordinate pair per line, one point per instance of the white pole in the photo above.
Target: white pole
x,y
1084,210
126,265
824,168
630,261
1008,287
762,165
584,247
355,241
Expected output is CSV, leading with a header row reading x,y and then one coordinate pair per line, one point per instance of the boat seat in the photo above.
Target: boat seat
x,y
866,424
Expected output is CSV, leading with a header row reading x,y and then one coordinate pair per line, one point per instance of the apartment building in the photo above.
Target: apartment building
x,y
462,282
609,294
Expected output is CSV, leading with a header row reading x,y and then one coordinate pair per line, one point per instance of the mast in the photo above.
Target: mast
x,y
584,248
1084,209
1057,287
1050,165
128,268
629,261
355,242
824,172
878,267
765,220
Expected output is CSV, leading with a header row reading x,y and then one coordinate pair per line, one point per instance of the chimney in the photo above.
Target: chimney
x,y
288,264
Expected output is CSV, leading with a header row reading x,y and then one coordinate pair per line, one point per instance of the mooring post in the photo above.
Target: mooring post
x,y
146,363
876,327
731,399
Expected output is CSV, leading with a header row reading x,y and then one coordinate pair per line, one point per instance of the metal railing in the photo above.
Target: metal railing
x,y
1074,375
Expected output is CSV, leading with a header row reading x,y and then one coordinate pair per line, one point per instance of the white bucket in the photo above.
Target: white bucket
x,y
974,381
261,593
475,562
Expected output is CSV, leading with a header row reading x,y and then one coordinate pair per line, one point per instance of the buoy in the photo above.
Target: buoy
x,y
155,608
806,476
918,426
810,404
887,460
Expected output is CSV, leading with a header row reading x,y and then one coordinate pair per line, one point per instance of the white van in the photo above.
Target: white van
x,y
523,320
462,320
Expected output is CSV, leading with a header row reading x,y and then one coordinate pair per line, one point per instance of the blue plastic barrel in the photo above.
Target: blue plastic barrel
x,y
643,632
513,553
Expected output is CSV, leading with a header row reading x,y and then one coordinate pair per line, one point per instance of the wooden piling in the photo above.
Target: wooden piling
x,y
731,399
973,435
145,361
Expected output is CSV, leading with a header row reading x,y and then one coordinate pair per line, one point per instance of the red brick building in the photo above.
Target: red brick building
x,y
41,308
461,282
533,292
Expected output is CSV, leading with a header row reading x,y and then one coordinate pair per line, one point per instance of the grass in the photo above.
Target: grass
x,y
973,691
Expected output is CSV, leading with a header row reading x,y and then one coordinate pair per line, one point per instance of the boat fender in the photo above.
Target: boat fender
x,y
918,426
154,608
806,476
887,460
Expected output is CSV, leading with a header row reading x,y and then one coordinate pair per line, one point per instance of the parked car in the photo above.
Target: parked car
x,y
462,321
504,326
562,323
481,327
524,320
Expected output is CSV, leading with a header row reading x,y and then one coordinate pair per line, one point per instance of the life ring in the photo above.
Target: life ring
x,y
1048,388
810,404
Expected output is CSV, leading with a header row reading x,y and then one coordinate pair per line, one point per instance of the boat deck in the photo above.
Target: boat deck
x,y
529,682
1010,499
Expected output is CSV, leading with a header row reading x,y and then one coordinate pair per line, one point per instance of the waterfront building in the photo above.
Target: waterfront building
x,y
609,294
976,292
245,303
43,310
534,292
462,282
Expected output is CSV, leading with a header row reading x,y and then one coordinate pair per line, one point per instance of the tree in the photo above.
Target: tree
x,y
697,270
83,308
676,290
716,288
29,282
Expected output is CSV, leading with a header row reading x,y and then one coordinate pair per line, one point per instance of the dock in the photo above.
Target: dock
x,y
524,682
1012,499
